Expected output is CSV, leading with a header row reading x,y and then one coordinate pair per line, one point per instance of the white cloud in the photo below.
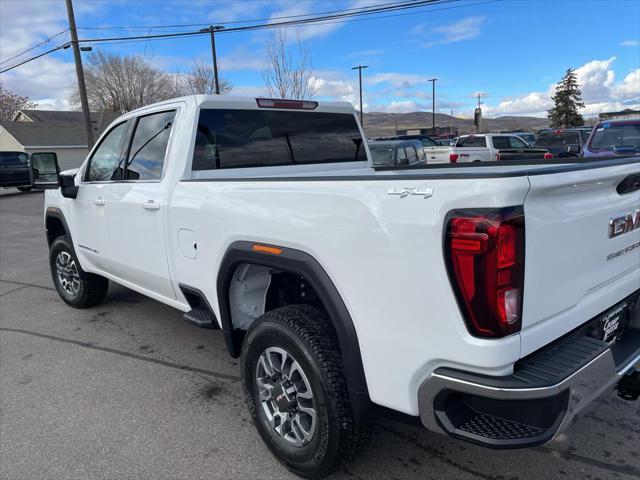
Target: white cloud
x,y
398,80
600,92
365,53
403,106
464,29
630,43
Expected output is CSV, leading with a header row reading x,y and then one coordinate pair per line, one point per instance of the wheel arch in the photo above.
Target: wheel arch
x,y
55,224
299,263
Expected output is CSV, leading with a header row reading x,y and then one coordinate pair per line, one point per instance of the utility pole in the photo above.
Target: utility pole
x,y
82,87
433,105
360,68
212,30
477,115
451,124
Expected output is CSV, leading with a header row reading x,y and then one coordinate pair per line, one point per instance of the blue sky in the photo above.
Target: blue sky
x,y
512,50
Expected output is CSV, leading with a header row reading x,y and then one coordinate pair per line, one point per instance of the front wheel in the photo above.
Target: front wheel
x,y
294,383
75,286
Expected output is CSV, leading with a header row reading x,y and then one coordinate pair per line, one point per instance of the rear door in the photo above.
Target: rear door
x,y
575,268
137,206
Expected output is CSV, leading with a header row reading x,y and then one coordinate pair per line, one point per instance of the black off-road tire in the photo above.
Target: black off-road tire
x,y
92,288
306,333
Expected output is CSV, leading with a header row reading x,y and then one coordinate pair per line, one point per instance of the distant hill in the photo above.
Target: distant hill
x,y
380,124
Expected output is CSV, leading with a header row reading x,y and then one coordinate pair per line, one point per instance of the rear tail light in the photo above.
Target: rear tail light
x,y
548,156
484,251
497,157
453,157
289,104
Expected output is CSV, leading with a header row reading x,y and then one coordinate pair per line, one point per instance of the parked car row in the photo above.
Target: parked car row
x,y
607,138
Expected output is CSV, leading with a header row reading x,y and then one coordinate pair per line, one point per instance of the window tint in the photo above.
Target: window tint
x,y
14,158
381,154
501,143
411,154
608,136
422,157
517,143
561,139
427,142
402,157
472,141
149,145
257,138
104,162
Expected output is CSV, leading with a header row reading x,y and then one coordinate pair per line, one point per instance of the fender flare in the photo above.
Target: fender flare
x,y
299,263
53,212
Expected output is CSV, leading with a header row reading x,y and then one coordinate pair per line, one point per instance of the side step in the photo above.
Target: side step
x,y
201,315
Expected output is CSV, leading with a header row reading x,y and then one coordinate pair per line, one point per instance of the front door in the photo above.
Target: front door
x,y
89,209
138,207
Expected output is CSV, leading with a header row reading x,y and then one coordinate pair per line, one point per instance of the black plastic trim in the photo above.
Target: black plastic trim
x,y
299,263
629,184
562,167
201,304
53,212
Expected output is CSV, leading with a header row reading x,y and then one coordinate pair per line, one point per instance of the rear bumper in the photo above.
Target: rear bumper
x,y
539,400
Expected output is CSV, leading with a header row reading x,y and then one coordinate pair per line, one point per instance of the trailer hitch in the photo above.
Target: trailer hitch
x,y
629,386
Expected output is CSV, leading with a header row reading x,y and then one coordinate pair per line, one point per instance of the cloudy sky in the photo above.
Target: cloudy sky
x,y
512,50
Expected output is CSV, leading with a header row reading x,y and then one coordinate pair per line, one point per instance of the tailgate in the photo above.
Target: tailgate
x,y
574,270
437,154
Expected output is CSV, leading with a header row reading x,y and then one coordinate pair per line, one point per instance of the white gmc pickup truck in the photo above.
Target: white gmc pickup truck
x,y
492,301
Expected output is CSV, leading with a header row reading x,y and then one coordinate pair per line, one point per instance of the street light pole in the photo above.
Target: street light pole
x,y
82,87
211,29
433,105
360,68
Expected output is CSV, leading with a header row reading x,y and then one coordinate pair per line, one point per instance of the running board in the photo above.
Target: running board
x,y
201,315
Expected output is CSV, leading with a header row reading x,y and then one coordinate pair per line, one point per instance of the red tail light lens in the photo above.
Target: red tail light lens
x,y
484,251
453,157
548,156
283,103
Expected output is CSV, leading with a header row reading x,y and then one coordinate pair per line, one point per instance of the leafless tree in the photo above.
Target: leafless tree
x,y
288,74
201,80
124,83
10,103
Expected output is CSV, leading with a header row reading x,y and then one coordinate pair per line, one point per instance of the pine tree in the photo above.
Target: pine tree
x,y
567,100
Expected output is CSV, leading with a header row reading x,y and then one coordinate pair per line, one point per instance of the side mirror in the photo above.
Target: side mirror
x,y
68,186
44,170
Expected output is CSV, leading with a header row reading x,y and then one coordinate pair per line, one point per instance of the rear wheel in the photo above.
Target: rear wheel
x,y
24,189
75,286
296,392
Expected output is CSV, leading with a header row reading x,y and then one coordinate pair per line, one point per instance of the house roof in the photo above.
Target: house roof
x,y
47,134
102,117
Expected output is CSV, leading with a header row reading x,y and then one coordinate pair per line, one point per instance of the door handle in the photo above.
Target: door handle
x,y
99,202
151,205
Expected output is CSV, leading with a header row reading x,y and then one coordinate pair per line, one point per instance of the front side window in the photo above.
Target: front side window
x,y
14,159
259,138
104,162
149,146
517,143
610,136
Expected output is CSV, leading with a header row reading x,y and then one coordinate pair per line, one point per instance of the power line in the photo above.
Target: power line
x,y
319,20
125,27
44,42
65,45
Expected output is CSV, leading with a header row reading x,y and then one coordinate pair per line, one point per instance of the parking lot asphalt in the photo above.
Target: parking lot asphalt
x,y
128,390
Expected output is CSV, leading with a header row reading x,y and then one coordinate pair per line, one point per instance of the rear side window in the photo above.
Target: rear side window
x,y
501,143
560,139
472,141
259,138
402,156
149,146
411,154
